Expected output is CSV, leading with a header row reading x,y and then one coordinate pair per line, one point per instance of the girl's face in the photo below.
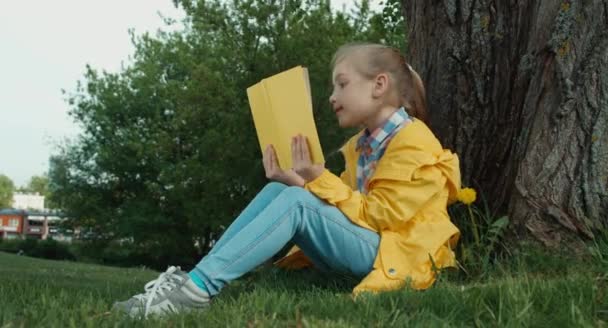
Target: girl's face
x,y
353,98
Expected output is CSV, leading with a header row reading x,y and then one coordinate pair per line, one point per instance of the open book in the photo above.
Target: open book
x,y
281,106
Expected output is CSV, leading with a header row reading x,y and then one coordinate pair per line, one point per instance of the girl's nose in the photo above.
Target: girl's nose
x,y
332,98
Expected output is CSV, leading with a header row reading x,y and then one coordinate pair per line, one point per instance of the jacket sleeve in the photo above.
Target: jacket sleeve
x,y
391,201
345,177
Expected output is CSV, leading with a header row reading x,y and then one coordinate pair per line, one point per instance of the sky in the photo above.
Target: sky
x,y
44,49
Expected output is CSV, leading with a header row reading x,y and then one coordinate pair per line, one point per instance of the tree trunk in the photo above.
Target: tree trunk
x,y
519,88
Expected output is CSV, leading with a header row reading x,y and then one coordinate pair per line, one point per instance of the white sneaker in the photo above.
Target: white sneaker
x,y
172,292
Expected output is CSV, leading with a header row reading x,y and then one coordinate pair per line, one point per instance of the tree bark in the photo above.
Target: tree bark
x,y
519,88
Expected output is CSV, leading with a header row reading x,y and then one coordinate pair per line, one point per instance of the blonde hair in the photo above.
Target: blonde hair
x,y
374,59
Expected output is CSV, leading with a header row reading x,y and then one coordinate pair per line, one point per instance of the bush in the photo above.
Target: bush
x,y
128,254
53,250
47,249
11,245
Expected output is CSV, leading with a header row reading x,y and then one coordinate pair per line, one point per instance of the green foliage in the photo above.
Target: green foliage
x,y
6,191
38,184
598,249
481,238
47,249
169,151
129,254
389,26
60,294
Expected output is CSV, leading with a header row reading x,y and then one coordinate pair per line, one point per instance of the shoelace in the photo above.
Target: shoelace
x,y
165,281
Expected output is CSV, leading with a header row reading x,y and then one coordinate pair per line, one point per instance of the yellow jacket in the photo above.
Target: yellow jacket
x,y
406,204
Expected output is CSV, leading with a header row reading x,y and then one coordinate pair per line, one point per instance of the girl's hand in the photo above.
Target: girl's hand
x,y
302,162
274,171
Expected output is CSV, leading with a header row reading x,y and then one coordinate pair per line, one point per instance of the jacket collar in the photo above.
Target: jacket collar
x,y
374,139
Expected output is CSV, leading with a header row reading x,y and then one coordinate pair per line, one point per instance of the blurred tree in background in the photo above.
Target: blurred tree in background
x,y
6,191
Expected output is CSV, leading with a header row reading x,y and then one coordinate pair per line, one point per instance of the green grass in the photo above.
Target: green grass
x,y
531,291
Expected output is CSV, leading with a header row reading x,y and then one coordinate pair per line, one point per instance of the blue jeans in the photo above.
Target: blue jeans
x,y
277,215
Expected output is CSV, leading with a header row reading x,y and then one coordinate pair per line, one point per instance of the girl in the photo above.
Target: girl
x,y
385,218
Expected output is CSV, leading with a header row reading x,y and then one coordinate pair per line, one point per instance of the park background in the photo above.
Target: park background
x,y
166,156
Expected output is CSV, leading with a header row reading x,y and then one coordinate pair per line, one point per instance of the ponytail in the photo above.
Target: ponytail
x,y
414,99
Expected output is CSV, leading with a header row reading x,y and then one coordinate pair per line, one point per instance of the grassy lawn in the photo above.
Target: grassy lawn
x,y
531,291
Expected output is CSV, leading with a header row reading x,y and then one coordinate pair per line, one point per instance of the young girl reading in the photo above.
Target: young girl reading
x,y
383,219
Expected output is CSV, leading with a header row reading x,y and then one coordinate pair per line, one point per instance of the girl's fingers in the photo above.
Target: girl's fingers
x,y
299,150
273,159
265,158
300,157
294,149
294,155
302,148
305,151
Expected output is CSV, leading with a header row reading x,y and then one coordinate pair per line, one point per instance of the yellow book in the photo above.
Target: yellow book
x,y
281,106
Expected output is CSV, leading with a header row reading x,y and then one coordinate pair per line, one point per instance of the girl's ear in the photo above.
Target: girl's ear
x,y
381,85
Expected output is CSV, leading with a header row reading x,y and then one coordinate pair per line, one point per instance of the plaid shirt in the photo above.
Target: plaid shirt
x,y
373,145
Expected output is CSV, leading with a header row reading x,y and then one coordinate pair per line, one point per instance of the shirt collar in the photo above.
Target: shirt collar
x,y
376,138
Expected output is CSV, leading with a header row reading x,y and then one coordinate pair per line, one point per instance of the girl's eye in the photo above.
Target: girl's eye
x,y
342,85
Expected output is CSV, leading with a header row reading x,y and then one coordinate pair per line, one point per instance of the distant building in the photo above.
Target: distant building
x,y
28,201
12,223
18,223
